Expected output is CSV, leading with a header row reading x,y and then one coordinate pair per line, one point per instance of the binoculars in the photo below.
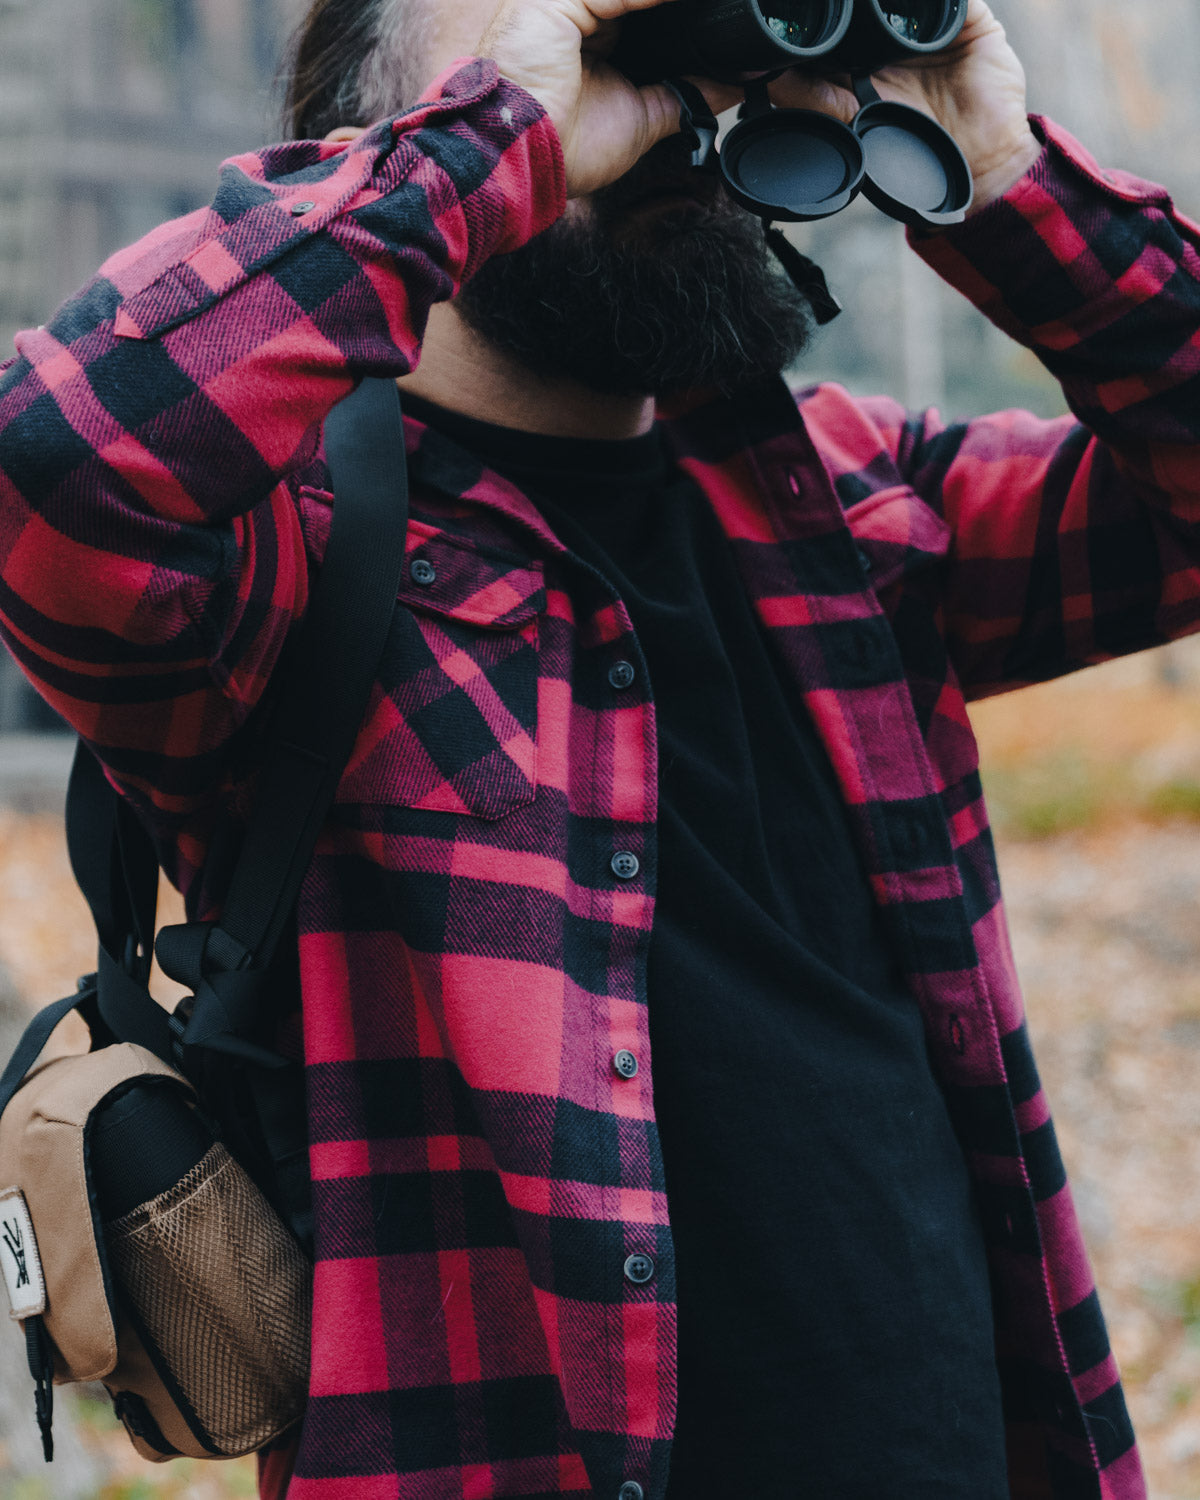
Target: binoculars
x,y
800,164
727,38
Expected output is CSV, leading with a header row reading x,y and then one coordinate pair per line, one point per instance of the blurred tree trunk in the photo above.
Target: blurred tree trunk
x,y
76,1474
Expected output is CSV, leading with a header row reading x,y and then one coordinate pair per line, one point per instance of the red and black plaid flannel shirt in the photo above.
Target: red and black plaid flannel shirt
x,y
470,960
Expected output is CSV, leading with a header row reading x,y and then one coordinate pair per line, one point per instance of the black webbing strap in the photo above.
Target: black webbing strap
x,y
316,721
29,1048
111,856
335,664
805,275
116,868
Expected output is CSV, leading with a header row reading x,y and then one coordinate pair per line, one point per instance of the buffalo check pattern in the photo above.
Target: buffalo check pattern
x,y
472,952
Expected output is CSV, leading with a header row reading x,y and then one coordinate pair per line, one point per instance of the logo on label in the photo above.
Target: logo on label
x,y
20,1263
15,1242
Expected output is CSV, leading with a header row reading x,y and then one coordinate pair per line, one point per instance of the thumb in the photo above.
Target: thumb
x,y
664,113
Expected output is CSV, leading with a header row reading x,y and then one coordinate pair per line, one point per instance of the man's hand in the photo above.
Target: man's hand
x,y
555,49
975,89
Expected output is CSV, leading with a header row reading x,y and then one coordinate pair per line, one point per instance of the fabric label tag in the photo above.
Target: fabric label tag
x,y
19,1256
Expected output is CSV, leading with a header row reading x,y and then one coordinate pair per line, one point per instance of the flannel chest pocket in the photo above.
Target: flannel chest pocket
x,y
452,722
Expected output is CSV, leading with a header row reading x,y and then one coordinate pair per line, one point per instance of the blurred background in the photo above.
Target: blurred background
x,y
114,115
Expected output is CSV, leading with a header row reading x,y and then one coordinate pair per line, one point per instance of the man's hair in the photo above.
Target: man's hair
x,y
353,62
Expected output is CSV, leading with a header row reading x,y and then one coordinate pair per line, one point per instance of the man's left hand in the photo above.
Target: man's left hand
x,y
975,89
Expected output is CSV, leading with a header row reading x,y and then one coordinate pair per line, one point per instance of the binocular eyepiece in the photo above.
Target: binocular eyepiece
x,y
726,38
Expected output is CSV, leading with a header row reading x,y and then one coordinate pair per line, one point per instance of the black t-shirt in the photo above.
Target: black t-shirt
x,y
835,1327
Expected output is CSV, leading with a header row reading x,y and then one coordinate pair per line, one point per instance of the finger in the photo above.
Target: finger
x,y
612,10
663,114
797,90
717,95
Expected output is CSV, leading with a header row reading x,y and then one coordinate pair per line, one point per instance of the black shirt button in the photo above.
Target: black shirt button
x,y
631,1490
624,865
639,1268
625,1063
621,674
422,571
864,560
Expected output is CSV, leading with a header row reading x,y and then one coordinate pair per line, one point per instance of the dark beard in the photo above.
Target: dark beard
x,y
683,298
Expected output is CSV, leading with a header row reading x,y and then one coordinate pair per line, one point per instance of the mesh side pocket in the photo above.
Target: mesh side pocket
x,y
223,1290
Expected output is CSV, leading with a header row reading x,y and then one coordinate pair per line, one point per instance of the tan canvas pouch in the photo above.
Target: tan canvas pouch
x,y
193,1309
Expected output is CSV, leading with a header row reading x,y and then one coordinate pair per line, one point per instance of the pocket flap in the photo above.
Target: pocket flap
x,y
447,575
466,582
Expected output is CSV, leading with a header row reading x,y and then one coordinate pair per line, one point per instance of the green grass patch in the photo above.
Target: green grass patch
x,y
132,1489
1067,791
1057,793
1174,799
1177,1301
28,1489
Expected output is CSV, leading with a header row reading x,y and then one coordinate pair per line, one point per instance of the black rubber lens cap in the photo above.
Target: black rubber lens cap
x,y
914,170
792,164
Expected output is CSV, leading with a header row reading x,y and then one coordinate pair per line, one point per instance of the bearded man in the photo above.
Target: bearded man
x,y
673,1127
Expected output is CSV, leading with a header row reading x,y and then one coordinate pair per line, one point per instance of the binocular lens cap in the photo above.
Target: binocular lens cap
x,y
914,170
792,164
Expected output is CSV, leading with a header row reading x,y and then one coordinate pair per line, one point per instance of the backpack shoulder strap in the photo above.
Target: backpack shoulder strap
x,y
312,732
314,726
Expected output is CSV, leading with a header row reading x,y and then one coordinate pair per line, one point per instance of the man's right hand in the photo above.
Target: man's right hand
x,y
555,49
